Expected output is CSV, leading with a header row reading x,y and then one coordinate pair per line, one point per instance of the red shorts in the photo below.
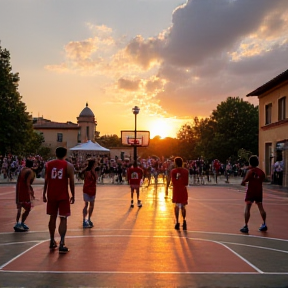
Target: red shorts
x,y
60,208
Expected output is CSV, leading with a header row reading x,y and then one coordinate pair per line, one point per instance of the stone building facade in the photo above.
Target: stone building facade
x,y
67,134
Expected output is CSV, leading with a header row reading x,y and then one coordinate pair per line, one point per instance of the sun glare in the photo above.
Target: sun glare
x,y
161,128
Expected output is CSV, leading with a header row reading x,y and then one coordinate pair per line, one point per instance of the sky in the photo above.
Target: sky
x,y
174,59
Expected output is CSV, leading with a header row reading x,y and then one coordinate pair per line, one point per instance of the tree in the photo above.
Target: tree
x,y
16,124
109,141
232,125
205,131
236,127
188,137
161,147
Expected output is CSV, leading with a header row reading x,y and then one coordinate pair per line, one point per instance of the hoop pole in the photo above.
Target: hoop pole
x,y
135,135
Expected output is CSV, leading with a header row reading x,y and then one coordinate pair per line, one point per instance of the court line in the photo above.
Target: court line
x,y
158,230
243,259
138,236
142,272
22,242
19,255
260,247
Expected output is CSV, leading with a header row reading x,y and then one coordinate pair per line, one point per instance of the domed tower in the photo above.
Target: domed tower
x,y
87,123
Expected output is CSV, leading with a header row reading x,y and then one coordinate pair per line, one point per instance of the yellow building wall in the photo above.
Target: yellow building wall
x,y
69,139
275,133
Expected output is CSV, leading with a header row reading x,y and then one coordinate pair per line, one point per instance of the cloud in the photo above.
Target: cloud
x,y
144,52
90,55
130,85
213,49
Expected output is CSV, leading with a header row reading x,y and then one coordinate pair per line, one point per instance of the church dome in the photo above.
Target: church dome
x,y
86,112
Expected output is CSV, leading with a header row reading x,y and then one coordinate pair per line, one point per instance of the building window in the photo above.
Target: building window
x,y
268,114
281,108
79,137
59,137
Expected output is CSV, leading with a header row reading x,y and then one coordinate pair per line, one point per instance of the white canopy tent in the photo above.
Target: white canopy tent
x,y
91,147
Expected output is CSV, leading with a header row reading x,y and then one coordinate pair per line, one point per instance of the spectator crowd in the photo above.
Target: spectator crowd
x,y
115,170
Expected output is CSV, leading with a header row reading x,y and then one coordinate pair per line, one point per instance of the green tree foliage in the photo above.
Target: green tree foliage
x,y
16,128
232,126
160,147
236,127
109,141
188,138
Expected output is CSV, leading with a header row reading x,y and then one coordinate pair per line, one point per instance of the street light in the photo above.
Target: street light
x,y
135,111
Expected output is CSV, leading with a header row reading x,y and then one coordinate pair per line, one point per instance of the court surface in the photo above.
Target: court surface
x,y
139,247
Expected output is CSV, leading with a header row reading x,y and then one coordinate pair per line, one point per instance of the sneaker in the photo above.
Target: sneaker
x,y
177,226
19,228
25,227
90,223
244,229
63,249
263,228
53,244
184,225
132,204
86,224
139,204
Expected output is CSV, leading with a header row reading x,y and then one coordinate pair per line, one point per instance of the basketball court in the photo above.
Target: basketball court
x,y
139,247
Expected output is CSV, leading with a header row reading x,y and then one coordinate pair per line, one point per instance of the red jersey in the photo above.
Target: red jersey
x,y
217,165
89,186
180,179
23,191
57,180
255,180
134,175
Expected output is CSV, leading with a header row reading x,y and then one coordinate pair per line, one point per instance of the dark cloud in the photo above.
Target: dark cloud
x,y
130,85
215,49
272,60
153,85
144,52
205,29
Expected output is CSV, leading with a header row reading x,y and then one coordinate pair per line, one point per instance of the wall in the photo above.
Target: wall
x,y
69,137
277,130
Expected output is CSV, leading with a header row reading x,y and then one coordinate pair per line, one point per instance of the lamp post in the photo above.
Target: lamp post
x,y
135,111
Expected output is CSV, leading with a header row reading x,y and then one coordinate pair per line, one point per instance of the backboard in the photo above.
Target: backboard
x,y
142,138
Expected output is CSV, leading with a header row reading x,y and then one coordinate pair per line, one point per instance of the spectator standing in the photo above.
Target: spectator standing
x,y
119,172
216,166
228,170
278,172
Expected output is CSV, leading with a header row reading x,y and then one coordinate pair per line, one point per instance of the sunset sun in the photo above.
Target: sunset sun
x,y
160,127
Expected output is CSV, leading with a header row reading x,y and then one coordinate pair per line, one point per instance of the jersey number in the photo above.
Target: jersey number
x,y
57,173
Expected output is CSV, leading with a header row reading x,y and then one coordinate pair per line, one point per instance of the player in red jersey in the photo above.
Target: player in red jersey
x,y
180,179
89,192
134,177
24,194
216,165
255,177
57,174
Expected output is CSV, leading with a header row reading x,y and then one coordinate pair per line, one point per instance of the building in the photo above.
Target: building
x,y
87,125
68,134
273,124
